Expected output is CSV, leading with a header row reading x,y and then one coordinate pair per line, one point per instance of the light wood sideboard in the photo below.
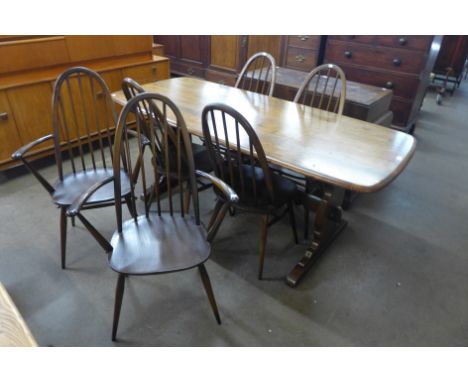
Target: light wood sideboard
x,y
29,67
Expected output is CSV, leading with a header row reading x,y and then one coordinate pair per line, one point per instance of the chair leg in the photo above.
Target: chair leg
x,y
63,235
119,291
293,221
209,291
215,213
263,239
73,221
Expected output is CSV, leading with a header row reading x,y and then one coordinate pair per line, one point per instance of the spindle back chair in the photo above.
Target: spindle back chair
x,y
324,88
83,122
131,88
164,238
238,159
258,74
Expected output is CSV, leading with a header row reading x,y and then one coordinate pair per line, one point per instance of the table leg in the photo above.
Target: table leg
x,y
328,224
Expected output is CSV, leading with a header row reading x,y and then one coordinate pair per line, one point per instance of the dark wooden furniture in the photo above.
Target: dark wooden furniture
x,y
366,102
301,52
29,65
400,63
451,60
168,239
77,121
218,58
261,70
246,171
342,152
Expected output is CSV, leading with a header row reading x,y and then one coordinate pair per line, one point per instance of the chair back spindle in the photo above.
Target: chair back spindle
x,y
82,112
236,154
258,74
324,88
171,168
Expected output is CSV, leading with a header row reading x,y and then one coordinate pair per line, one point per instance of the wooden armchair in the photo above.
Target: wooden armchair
x,y
238,159
83,118
168,239
258,74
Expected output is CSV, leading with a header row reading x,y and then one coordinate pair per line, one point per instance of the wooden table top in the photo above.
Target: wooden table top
x,y
13,329
342,151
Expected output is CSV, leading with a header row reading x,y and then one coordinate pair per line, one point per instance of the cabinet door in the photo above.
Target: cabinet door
x,y
193,49
31,107
269,44
171,45
226,52
9,137
132,44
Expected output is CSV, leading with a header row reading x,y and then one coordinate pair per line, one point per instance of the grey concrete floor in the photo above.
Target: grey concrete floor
x,y
397,276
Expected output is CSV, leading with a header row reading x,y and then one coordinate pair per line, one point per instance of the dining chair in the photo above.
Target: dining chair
x,y
258,74
323,88
83,120
131,88
238,158
165,239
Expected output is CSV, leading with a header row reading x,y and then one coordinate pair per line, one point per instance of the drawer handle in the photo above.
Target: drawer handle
x,y
396,62
303,38
402,41
389,85
300,58
190,71
4,116
154,69
348,54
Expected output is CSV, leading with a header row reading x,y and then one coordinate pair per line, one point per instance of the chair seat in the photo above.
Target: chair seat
x,y
74,185
158,244
283,189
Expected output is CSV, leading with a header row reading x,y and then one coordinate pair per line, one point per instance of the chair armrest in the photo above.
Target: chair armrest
x,y
229,193
222,207
19,154
75,207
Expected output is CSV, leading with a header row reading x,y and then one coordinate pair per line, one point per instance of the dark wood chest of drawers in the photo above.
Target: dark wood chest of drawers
x,y
400,63
300,52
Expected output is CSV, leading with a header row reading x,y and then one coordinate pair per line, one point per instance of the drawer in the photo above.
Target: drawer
x,y
185,69
421,43
404,86
399,60
302,59
363,39
304,41
148,72
8,134
220,77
